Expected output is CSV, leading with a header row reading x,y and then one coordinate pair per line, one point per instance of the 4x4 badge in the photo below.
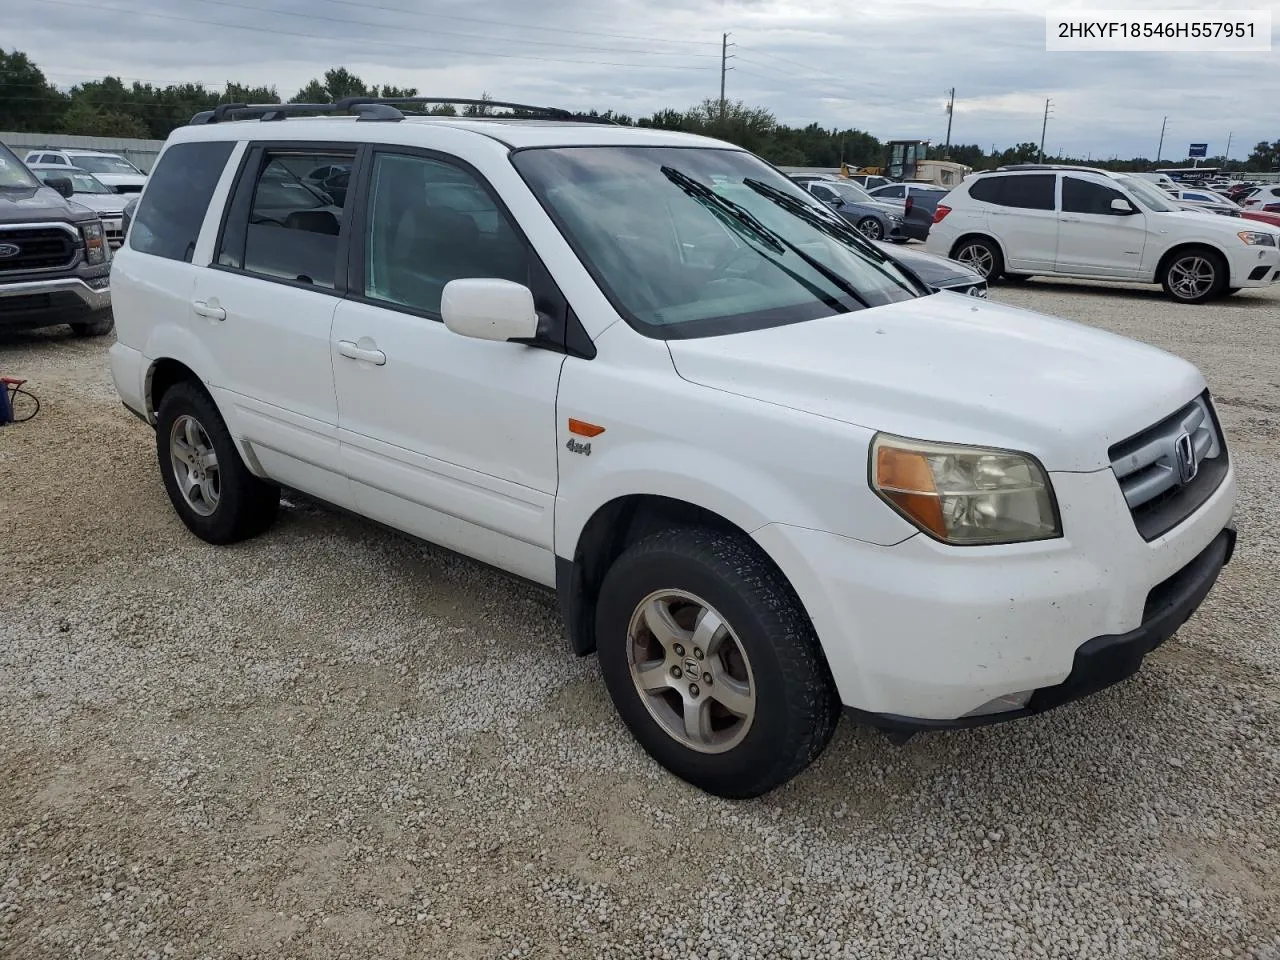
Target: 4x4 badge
x,y
573,446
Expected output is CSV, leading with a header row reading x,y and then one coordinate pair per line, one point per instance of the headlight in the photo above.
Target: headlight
x,y
1256,239
95,241
966,496
893,217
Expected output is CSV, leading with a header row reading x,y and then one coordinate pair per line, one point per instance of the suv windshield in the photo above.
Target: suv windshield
x,y
95,164
13,172
1153,198
703,241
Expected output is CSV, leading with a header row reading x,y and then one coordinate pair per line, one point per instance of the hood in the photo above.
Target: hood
x,y
1206,217
121,179
31,205
102,203
930,267
955,369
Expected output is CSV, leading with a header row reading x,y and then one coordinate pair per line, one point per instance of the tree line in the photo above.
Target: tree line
x,y
111,108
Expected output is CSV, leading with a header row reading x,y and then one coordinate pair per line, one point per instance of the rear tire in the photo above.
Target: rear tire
x,y
211,489
1195,275
981,255
705,604
98,327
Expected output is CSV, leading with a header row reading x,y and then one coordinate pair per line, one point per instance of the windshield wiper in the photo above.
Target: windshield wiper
x,y
700,191
830,224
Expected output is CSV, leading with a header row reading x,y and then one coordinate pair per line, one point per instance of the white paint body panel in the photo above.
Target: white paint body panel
x,y
465,442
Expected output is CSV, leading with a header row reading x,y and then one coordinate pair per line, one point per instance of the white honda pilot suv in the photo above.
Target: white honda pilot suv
x,y
769,474
1063,221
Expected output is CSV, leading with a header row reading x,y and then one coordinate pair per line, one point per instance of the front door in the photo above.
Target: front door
x,y
449,438
1094,239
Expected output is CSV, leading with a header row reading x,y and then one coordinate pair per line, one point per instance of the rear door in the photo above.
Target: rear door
x,y
1095,240
1021,215
265,310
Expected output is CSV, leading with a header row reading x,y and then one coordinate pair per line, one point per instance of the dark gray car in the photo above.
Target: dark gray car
x,y
874,219
55,264
919,200
938,273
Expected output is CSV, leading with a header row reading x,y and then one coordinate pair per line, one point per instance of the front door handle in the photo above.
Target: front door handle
x,y
354,351
202,308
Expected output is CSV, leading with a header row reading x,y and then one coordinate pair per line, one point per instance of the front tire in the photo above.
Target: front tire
x,y
98,327
1195,275
712,663
871,228
211,489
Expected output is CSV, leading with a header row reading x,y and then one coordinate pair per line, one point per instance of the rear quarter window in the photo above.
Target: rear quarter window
x,y
177,196
1026,192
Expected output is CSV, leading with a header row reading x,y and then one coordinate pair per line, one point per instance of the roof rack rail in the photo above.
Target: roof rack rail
x,y
378,108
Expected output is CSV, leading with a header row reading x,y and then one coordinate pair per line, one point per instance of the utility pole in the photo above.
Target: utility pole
x,y
1160,149
1044,127
1226,157
724,66
951,109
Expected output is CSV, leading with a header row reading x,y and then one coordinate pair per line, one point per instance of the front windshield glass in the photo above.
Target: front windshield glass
x,y
105,164
700,242
850,192
81,182
1153,198
13,173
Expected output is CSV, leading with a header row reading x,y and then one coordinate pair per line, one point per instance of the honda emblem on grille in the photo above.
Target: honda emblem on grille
x,y
1184,454
9,250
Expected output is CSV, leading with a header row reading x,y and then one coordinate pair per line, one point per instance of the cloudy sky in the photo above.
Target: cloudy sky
x,y
884,66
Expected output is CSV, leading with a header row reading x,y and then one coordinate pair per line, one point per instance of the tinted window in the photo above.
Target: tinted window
x,y
1082,196
823,193
431,222
177,195
294,223
1029,192
894,191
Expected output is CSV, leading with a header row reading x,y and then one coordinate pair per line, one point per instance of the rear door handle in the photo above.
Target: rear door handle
x,y
202,309
356,352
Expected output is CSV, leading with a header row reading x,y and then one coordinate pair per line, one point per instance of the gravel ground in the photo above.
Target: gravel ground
x,y
334,742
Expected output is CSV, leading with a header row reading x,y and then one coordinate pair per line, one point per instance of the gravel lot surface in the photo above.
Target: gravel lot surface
x,y
337,742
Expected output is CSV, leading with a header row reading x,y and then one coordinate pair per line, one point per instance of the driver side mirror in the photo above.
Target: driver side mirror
x,y
62,184
489,309
1122,207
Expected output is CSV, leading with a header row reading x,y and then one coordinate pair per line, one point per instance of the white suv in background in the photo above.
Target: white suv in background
x,y
767,472
1047,220
110,168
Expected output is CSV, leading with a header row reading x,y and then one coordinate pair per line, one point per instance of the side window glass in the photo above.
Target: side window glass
x,y
988,189
1030,192
295,218
177,197
824,193
1083,196
430,222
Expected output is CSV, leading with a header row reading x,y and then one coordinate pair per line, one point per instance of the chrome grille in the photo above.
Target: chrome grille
x,y
38,247
1168,470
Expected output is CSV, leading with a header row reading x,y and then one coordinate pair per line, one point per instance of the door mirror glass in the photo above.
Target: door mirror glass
x,y
62,184
1122,206
489,309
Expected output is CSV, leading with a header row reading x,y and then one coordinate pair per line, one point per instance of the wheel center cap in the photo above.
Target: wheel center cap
x,y
692,667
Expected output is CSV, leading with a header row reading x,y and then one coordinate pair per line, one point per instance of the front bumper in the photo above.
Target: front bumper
x,y
1103,661
1255,267
923,634
38,303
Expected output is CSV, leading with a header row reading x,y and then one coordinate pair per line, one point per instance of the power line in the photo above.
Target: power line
x,y
523,26
367,40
